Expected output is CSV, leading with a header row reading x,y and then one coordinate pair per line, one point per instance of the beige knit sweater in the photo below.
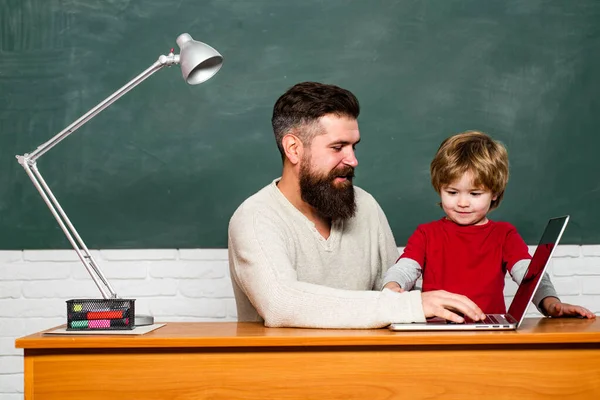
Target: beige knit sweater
x,y
285,273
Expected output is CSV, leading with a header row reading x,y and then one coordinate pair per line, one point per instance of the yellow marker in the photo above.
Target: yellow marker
x,y
77,307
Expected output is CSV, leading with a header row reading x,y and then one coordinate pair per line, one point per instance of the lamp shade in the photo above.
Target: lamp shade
x,y
199,62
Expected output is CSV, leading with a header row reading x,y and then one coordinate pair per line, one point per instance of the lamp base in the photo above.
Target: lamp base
x,y
143,320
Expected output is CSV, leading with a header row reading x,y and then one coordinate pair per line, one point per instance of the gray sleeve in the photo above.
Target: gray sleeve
x,y
388,252
545,289
405,272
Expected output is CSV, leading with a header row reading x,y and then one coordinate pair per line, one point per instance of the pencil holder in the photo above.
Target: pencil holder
x,y
100,314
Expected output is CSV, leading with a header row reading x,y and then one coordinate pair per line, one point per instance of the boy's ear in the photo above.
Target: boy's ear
x,y
292,146
495,197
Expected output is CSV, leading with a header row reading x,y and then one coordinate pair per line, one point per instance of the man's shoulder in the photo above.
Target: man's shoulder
x,y
262,200
258,199
364,198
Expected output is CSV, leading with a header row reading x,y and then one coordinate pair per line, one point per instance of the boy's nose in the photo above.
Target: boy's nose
x,y
463,202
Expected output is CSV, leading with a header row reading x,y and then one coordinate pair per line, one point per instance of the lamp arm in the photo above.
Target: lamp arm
x,y
69,230
29,163
43,148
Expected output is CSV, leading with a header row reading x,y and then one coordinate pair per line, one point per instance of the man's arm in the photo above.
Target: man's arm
x,y
437,303
263,269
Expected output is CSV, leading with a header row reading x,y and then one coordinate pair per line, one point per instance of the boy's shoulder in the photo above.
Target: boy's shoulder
x,y
431,226
445,224
503,225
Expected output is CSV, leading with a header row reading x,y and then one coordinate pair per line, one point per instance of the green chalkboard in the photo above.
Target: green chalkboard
x,y
167,164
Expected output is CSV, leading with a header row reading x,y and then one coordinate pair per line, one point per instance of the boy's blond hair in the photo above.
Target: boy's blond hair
x,y
474,152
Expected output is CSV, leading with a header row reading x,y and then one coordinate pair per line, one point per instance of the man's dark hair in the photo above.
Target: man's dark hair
x,y
304,103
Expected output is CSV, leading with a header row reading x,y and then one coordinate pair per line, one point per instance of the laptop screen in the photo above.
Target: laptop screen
x,y
528,286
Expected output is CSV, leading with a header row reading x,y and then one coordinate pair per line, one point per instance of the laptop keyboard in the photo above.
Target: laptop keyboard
x,y
489,319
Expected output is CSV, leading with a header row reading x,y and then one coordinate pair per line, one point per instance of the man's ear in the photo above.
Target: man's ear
x,y
293,148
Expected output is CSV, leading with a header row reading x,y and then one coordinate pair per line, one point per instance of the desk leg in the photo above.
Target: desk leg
x,y
28,376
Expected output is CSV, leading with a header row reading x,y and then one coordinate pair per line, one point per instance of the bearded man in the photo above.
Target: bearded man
x,y
310,249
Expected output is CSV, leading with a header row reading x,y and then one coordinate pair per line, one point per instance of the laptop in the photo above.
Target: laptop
x,y
516,312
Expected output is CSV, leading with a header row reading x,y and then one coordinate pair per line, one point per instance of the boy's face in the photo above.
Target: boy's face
x,y
464,203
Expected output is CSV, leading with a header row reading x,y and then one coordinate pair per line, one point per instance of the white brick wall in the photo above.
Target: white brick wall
x,y
178,285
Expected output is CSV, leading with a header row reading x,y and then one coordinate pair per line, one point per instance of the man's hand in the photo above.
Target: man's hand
x,y
438,303
394,287
555,308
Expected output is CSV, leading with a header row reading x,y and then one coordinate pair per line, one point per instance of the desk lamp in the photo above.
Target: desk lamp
x,y
199,62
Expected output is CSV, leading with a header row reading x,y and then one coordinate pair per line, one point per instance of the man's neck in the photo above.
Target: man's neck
x,y
289,186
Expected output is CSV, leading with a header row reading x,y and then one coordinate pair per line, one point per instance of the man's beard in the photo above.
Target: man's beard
x,y
331,200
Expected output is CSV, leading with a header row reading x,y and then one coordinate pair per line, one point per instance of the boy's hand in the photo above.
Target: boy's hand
x,y
394,287
555,308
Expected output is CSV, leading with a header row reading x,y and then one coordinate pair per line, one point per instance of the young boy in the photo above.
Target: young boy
x,y
465,252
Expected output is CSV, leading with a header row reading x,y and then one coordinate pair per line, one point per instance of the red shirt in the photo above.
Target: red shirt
x,y
468,260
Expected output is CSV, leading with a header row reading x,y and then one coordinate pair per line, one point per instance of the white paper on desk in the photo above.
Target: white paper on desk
x,y
138,330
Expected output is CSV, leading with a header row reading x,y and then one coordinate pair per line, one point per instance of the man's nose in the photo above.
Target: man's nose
x,y
351,159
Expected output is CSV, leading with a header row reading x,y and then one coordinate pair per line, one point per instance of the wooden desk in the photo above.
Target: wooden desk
x,y
547,358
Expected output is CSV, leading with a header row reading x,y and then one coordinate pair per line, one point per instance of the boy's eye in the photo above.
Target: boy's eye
x,y
476,194
451,192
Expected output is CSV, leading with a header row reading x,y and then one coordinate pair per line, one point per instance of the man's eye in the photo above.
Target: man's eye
x,y
337,148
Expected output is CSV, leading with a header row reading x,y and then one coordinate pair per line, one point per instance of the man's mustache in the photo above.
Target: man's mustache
x,y
345,172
